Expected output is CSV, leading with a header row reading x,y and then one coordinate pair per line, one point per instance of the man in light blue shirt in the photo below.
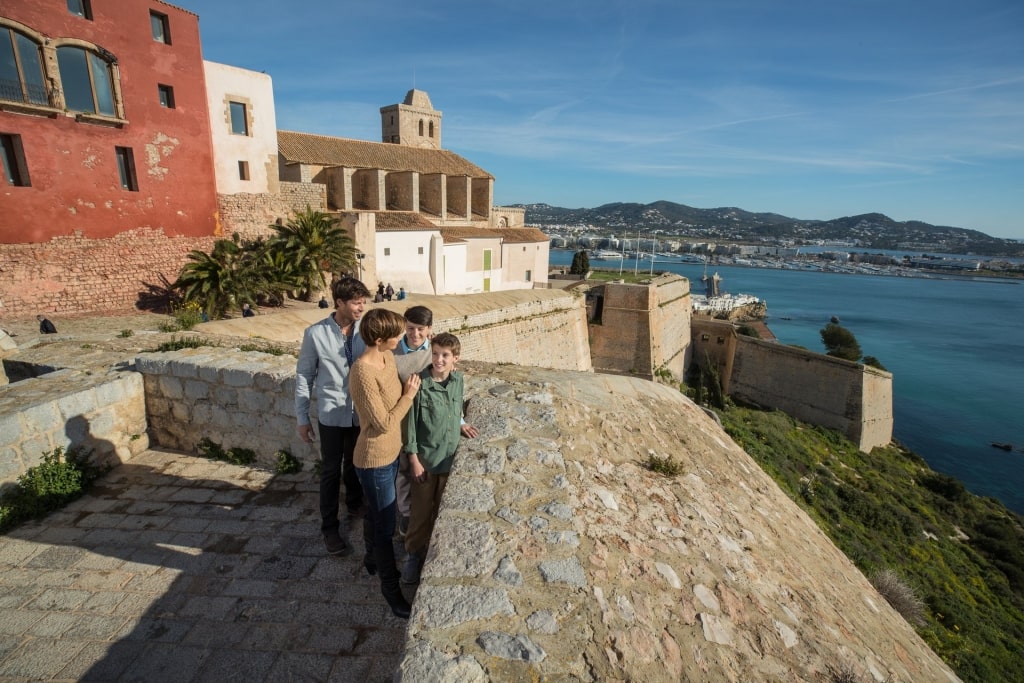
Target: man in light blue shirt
x,y
329,348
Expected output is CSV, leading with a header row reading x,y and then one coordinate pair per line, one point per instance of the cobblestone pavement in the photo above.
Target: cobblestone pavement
x,y
177,568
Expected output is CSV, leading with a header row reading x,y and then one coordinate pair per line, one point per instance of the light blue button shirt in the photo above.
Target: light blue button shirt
x,y
323,368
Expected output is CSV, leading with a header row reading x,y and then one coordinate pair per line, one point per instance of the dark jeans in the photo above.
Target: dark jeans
x,y
379,489
336,447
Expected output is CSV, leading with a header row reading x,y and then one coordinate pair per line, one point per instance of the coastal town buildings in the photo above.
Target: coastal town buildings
x,y
123,150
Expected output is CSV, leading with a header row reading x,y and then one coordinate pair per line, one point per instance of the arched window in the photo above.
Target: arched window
x,y
87,81
431,129
421,127
21,69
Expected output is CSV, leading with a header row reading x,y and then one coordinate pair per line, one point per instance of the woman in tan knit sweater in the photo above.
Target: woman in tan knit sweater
x,y
381,401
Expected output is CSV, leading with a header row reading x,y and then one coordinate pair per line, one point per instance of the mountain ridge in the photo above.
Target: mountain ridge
x,y
869,230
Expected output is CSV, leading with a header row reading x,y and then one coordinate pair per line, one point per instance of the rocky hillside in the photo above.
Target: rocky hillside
x,y
871,230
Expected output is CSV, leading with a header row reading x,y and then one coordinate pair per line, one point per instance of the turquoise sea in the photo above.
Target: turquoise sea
x,y
955,348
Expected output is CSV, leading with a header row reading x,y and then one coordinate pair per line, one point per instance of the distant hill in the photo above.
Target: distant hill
x,y
868,231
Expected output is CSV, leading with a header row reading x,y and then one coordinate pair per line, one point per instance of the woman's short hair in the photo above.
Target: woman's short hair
x,y
380,323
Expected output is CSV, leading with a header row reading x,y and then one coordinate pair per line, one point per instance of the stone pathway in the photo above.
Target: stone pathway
x,y
177,568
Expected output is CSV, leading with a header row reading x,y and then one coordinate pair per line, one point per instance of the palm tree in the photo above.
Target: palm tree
x,y
313,243
220,280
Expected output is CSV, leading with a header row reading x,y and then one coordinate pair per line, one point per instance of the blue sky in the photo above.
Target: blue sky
x,y
813,110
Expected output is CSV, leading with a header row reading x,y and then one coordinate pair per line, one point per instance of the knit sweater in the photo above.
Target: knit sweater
x,y
377,394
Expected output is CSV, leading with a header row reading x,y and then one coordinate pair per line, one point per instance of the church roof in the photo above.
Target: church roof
x,y
521,235
323,150
394,221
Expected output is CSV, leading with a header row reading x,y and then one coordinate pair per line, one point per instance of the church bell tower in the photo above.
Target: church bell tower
x,y
414,123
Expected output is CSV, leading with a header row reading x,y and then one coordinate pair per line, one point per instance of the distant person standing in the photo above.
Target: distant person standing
x,y
45,326
329,350
389,292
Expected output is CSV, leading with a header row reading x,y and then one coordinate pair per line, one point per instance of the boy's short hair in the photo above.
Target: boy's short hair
x,y
447,340
380,323
348,288
420,315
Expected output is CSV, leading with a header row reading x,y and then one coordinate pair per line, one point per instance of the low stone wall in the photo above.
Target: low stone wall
x,y
236,399
103,413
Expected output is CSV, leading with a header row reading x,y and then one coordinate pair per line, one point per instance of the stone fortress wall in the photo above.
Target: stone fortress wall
x,y
839,394
642,328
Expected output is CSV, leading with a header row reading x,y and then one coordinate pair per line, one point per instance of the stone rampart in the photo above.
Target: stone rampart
x,y
80,275
815,388
643,328
103,413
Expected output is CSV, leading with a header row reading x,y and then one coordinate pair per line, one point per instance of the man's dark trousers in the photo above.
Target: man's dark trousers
x,y
336,447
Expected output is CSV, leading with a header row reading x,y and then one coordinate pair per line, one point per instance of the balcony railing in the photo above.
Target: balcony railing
x,y
26,93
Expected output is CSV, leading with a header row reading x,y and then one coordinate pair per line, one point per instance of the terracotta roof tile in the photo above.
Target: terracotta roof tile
x,y
522,235
323,150
392,221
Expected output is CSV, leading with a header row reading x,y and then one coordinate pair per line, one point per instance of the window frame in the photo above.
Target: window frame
x,y
85,7
93,59
166,95
159,20
126,168
12,155
29,93
243,170
232,104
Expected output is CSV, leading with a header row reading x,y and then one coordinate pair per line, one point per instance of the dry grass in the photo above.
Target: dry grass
x,y
902,596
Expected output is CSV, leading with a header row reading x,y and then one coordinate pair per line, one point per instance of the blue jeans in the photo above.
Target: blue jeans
x,y
379,492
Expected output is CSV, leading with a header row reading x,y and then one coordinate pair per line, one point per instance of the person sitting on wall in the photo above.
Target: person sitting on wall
x,y
45,326
247,311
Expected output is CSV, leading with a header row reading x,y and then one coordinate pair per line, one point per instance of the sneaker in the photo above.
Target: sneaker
x,y
403,526
336,545
411,570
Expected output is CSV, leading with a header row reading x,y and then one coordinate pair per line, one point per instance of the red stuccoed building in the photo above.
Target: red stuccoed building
x,y
106,150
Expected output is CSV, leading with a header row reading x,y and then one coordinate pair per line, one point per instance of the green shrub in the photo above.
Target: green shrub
x,y
214,451
287,463
59,479
177,344
668,465
124,334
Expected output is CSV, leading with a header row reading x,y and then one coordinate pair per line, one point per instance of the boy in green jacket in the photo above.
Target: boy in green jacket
x,y
432,430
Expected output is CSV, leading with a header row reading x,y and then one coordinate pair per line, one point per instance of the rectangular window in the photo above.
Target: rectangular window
x,y
243,170
420,250
161,27
487,260
126,167
166,96
80,8
239,118
529,275
13,155
387,251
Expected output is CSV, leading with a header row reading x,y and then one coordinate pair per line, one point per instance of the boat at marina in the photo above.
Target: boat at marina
x,y
605,255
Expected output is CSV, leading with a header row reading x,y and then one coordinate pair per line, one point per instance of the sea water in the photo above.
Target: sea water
x,y
955,348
